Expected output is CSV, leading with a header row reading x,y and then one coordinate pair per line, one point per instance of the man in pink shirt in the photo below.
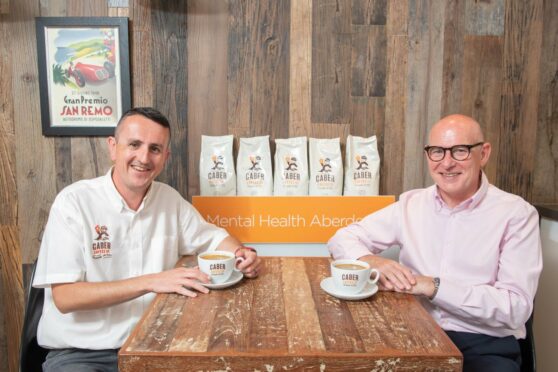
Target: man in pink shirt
x,y
469,250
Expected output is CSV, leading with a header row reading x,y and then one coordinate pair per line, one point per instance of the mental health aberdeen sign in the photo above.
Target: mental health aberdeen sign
x,y
286,219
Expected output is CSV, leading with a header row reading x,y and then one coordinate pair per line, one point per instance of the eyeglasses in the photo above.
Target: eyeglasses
x,y
458,152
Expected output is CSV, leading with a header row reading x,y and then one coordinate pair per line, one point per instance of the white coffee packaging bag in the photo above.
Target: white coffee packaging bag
x,y
326,167
217,176
253,167
291,167
362,166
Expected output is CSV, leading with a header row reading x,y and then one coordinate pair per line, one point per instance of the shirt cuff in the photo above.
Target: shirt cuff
x,y
450,294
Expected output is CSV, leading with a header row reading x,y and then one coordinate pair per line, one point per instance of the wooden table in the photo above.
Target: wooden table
x,y
284,321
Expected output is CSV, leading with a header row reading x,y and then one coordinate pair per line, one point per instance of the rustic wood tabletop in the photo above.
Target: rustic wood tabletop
x,y
283,320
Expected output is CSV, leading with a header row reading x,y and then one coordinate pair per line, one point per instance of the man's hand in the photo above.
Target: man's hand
x,y
181,280
251,264
424,287
393,275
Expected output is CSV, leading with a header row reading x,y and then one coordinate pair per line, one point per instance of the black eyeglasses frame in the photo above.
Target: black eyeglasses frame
x,y
451,149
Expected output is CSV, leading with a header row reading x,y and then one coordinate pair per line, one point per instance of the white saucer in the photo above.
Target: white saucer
x,y
236,277
329,287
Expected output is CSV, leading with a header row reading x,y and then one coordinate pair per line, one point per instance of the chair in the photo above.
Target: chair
x,y
31,355
527,346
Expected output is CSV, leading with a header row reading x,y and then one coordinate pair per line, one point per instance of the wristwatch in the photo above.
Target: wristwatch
x,y
436,282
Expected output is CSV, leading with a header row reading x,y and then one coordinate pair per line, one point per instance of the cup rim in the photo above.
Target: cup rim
x,y
224,253
349,261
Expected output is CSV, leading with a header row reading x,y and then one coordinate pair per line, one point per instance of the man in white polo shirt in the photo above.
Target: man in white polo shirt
x,y
111,243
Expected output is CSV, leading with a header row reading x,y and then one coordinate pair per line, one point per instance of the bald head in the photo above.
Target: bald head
x,y
456,125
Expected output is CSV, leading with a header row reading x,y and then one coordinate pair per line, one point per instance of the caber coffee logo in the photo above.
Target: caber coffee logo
x,y
324,178
254,175
217,175
101,246
361,174
291,176
349,280
217,269
362,164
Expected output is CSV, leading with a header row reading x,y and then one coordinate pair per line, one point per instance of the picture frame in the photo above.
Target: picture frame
x,y
84,74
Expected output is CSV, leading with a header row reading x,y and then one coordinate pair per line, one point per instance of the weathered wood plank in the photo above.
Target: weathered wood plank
x,y
165,314
8,190
4,6
170,63
34,153
300,75
482,65
368,117
484,17
231,326
393,144
331,70
258,68
304,332
142,74
12,292
393,154
369,12
207,87
368,63
268,327
545,175
424,85
520,95
454,29
338,328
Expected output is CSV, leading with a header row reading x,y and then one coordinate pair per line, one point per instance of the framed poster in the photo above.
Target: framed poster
x,y
84,75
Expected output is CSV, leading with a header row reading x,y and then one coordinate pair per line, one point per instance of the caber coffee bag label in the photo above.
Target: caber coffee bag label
x,y
291,167
362,166
253,167
217,175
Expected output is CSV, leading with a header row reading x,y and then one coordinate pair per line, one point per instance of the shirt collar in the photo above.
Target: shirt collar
x,y
117,200
470,203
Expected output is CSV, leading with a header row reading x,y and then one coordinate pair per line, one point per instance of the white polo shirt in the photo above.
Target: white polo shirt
x,y
91,235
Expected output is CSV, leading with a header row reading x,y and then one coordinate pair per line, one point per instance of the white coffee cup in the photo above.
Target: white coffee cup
x,y
219,265
351,276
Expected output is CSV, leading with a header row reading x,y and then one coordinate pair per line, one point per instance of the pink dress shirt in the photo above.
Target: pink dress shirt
x,y
486,251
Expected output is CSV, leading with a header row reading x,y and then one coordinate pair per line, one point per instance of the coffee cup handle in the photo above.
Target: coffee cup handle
x,y
376,277
237,261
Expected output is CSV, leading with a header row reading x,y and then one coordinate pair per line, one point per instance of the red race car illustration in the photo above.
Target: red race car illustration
x,y
82,72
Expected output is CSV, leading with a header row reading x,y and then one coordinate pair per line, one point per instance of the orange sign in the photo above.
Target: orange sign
x,y
286,219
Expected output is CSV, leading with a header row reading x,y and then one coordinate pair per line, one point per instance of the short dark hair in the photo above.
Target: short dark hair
x,y
147,112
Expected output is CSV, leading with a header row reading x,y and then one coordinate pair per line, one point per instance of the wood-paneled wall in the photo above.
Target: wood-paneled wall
x,y
320,68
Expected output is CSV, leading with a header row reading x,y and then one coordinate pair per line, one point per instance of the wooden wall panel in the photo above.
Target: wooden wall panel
x,y
258,61
484,17
169,65
300,68
331,58
424,85
454,26
8,192
520,94
207,23
545,178
482,87
12,292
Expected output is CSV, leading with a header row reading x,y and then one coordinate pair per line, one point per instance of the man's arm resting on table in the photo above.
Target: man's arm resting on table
x,y
70,297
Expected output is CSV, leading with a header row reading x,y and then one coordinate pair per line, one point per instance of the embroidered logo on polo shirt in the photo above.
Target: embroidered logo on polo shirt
x,y
101,245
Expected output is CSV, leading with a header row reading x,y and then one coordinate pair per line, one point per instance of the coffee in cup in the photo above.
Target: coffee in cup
x,y
351,276
219,265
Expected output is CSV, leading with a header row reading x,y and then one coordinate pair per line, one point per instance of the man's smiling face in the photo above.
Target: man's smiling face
x,y
457,180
